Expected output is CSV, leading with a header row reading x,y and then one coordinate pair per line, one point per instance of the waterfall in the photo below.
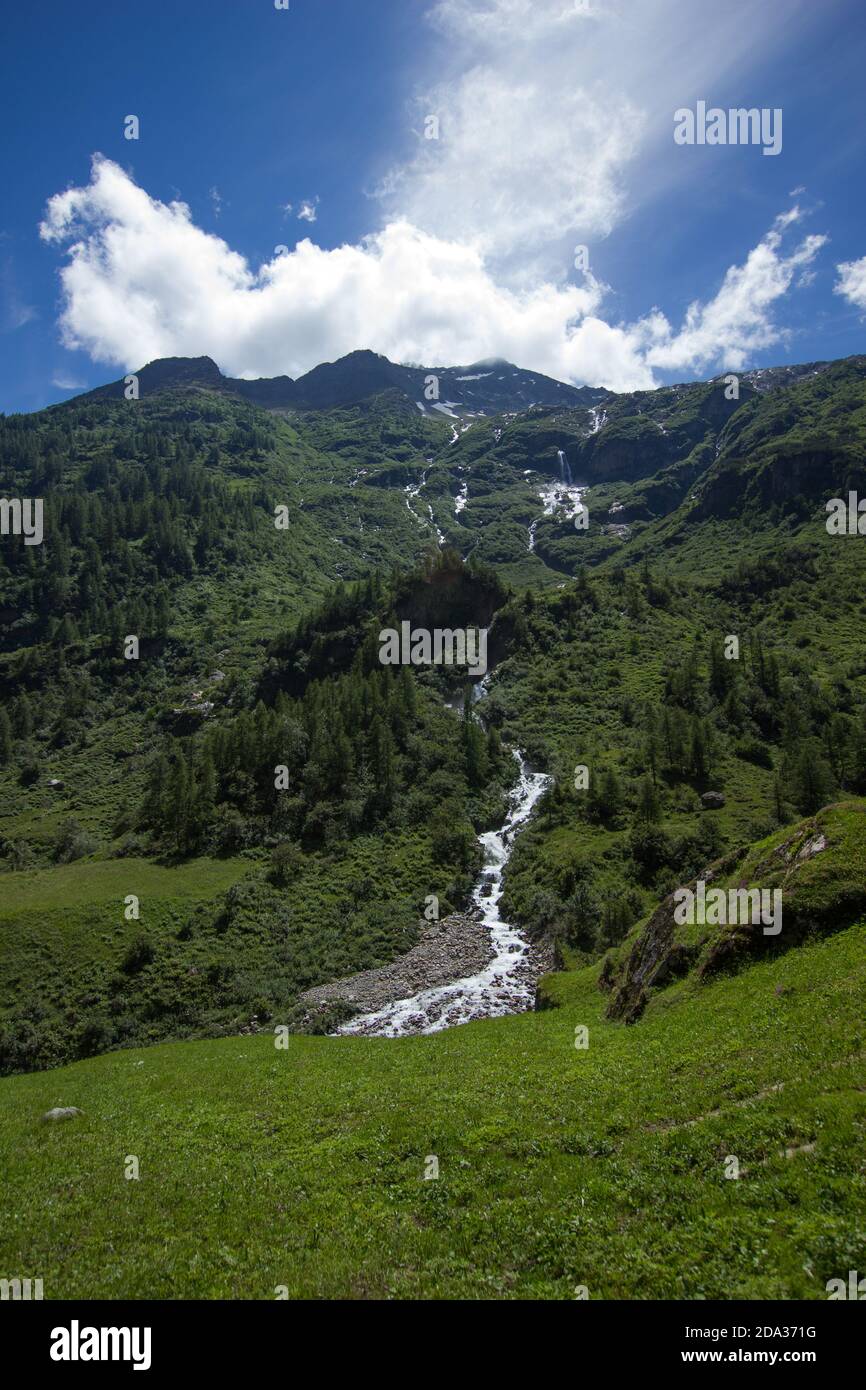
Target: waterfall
x,y
564,469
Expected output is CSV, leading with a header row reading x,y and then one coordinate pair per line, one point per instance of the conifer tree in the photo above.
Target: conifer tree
x,y
6,744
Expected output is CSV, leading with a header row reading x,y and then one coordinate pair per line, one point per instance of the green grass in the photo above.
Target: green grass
x,y
64,926
65,983
88,883
71,985
558,1167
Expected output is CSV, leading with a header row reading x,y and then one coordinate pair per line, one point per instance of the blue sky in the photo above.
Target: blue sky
x,y
556,123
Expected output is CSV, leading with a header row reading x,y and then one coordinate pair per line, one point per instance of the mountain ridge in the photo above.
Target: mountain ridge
x,y
362,374
148,782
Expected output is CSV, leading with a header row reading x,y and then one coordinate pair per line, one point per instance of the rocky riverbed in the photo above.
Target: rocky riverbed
x,y
446,950
471,965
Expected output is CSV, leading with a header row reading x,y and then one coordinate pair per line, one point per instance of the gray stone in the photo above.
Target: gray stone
x,y
816,845
452,949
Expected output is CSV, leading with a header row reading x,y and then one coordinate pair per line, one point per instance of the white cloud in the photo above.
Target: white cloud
x,y
556,120
143,281
308,210
18,315
738,321
852,282
67,383
528,148
506,176
14,311
499,23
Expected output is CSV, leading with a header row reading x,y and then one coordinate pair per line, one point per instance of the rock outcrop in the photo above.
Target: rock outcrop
x,y
713,801
818,867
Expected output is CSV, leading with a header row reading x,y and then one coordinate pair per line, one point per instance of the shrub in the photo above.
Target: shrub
x,y
96,1035
71,843
751,750
287,862
139,954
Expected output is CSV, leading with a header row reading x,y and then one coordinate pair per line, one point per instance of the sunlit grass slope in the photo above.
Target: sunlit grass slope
x,y
558,1166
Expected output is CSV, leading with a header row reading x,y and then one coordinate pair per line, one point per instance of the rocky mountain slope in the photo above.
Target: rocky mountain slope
x,y
705,519
685,677
482,388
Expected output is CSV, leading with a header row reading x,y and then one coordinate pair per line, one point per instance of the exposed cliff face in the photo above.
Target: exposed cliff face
x,y
634,448
801,437
814,470
820,869
656,958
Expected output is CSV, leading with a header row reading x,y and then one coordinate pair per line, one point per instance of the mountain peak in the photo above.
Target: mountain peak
x,y
183,369
488,387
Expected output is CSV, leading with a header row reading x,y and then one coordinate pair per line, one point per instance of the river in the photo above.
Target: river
x,y
506,985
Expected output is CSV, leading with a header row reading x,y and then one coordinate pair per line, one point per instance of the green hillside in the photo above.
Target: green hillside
x,y
604,1167
252,805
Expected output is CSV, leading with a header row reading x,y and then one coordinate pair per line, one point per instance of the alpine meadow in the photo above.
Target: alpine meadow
x,y
433,675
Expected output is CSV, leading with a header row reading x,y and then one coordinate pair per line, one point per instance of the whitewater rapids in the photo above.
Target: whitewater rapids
x,y
506,985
